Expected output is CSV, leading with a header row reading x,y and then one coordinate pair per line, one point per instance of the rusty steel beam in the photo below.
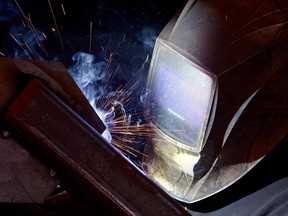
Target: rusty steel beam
x,y
84,160
23,177
16,73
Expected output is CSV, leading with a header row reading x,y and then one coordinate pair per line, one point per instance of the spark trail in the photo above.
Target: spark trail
x,y
118,103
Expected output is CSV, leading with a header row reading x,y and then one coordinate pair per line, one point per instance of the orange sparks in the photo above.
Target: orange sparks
x,y
56,25
31,26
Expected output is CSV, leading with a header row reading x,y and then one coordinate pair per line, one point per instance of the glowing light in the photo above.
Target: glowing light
x,y
44,35
33,30
109,104
114,104
63,9
55,22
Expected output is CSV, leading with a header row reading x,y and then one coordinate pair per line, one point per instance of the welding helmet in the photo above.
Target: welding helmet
x,y
209,80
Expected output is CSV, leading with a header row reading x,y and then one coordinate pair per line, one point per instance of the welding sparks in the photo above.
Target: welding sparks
x,y
63,9
56,25
114,107
119,107
14,38
44,35
127,136
125,133
32,28
90,41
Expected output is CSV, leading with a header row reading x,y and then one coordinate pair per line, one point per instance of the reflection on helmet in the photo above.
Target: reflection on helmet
x,y
212,70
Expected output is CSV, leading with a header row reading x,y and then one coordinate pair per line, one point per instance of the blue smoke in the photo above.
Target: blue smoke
x,y
123,38
8,11
28,42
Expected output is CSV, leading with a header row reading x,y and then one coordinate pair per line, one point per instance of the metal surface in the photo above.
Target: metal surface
x,y
23,177
86,162
16,73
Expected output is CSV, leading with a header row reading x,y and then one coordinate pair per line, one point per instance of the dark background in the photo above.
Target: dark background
x,y
111,20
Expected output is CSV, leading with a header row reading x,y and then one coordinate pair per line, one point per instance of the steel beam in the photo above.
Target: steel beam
x,y
86,162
